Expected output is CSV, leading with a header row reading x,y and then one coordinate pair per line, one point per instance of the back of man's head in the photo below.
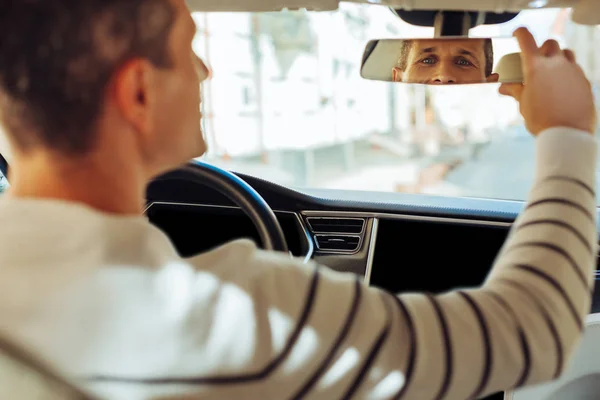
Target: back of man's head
x,y
57,58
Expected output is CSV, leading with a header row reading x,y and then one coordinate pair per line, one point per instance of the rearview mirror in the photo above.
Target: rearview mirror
x,y
443,61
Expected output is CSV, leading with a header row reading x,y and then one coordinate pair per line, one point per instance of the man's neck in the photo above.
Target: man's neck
x,y
100,184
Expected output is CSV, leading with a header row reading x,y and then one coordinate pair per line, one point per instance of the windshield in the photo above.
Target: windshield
x,y
286,103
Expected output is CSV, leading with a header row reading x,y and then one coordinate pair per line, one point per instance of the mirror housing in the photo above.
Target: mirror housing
x,y
510,68
452,22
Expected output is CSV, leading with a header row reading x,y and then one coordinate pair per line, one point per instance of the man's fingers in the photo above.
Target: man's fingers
x,y
550,48
570,55
512,89
529,48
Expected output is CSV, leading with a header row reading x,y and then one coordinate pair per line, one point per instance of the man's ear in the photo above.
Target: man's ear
x,y
131,92
397,74
493,78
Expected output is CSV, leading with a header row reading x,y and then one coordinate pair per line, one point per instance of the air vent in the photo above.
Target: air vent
x,y
336,225
346,244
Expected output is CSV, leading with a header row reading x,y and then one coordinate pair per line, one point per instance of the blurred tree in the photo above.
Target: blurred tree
x,y
290,33
357,21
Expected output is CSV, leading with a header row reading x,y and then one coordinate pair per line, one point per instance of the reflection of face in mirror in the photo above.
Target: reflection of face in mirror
x,y
445,62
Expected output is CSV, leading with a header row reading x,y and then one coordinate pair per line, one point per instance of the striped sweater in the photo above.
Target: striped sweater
x,y
107,300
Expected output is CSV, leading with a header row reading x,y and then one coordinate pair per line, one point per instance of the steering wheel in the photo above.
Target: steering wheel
x,y
242,194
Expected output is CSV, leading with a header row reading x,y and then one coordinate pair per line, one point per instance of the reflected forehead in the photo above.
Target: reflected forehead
x,y
459,46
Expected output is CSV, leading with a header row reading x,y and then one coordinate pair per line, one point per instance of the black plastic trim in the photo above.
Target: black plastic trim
x,y
283,198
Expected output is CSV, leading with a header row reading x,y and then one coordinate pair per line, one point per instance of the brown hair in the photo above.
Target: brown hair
x,y
57,57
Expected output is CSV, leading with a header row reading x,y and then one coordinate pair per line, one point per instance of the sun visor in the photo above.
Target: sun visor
x,y
261,5
585,12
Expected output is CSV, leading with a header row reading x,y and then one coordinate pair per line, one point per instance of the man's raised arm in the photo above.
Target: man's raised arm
x,y
319,334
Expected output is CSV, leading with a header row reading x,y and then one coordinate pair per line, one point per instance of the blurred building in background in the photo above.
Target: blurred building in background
x,y
287,88
286,100
585,41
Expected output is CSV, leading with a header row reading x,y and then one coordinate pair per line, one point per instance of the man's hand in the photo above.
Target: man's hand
x,y
555,91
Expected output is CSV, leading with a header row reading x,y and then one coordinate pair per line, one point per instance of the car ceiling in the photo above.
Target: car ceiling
x,y
584,11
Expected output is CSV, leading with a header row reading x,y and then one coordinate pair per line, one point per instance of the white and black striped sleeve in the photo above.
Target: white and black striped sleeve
x,y
520,328
262,326
523,324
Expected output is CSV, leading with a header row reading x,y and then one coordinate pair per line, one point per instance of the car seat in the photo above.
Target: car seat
x,y
581,379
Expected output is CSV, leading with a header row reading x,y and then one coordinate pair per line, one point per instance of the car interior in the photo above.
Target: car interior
x,y
400,242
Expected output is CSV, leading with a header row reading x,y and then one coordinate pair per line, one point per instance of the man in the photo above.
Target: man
x,y
444,62
99,96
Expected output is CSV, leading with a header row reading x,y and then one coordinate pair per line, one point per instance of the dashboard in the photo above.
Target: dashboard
x,y
400,244
382,248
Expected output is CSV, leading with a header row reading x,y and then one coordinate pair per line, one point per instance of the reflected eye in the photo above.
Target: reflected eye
x,y
428,61
463,62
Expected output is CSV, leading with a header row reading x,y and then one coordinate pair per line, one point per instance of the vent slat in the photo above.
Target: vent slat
x,y
337,243
336,225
